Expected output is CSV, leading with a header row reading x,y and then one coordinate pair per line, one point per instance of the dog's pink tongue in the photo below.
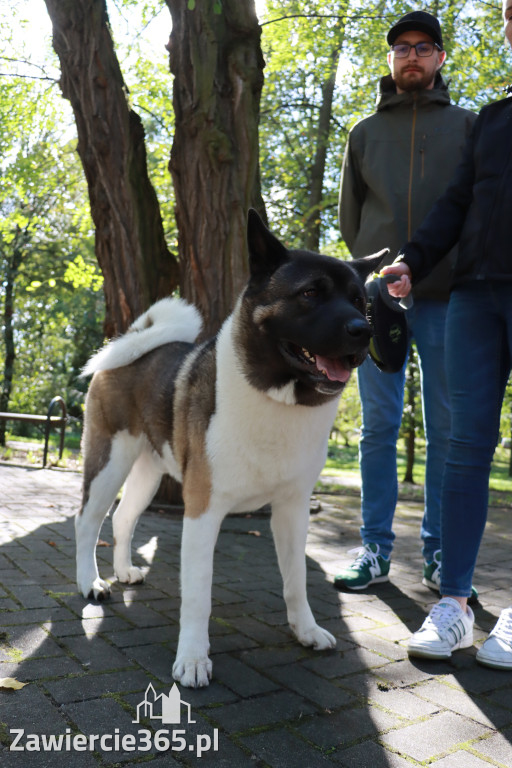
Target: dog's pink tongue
x,y
333,368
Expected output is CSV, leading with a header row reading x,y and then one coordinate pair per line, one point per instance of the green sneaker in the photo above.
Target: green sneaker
x,y
432,577
368,568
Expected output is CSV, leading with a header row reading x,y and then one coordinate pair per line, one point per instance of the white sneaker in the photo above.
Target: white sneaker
x,y
497,650
447,628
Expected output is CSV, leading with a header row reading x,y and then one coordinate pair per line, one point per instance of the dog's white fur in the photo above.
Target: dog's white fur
x,y
166,321
242,479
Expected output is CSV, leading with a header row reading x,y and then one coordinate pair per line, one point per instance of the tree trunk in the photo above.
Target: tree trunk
x,y
130,245
13,264
409,419
411,390
313,221
216,60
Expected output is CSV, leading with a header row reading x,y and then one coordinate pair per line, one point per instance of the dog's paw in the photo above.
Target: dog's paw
x,y
192,673
317,637
130,575
98,590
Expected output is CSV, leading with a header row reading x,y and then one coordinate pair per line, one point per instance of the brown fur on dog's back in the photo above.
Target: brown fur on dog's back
x,y
118,400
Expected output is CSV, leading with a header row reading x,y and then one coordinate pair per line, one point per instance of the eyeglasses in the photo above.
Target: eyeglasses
x,y
402,50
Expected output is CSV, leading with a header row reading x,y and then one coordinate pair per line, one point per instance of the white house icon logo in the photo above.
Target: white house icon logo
x,y
162,707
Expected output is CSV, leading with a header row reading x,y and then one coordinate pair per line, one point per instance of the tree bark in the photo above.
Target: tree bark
x,y
216,60
137,267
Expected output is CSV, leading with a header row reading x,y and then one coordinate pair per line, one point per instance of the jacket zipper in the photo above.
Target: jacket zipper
x,y
411,167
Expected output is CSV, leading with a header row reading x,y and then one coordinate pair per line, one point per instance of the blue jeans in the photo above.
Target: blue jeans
x,y
382,397
478,361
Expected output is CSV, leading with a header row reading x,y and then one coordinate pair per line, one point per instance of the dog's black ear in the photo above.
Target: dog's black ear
x,y
368,264
266,253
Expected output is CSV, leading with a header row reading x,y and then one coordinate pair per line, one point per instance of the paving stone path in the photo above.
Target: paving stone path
x,y
272,704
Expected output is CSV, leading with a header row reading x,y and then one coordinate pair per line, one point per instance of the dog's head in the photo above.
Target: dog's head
x,y
301,326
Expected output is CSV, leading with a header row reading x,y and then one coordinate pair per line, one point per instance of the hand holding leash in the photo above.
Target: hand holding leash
x,y
389,344
399,280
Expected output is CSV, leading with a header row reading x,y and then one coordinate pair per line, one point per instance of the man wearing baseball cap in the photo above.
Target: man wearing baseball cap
x,y
397,163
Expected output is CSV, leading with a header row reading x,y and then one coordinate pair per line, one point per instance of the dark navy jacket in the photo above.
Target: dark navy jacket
x,y
476,209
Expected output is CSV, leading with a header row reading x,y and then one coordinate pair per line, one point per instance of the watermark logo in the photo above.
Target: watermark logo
x,y
161,707
169,709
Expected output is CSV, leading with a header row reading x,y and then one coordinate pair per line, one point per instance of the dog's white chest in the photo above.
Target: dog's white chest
x,y
258,446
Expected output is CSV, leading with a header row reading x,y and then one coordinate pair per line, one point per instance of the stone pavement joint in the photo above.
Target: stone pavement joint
x,y
272,703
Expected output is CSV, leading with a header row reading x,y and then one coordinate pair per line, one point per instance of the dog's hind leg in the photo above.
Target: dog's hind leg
x,y
289,525
192,667
140,487
99,495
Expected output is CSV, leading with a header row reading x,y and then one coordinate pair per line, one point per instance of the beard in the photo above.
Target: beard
x,y
413,80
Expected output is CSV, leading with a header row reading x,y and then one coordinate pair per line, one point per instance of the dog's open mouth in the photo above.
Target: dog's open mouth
x,y
335,369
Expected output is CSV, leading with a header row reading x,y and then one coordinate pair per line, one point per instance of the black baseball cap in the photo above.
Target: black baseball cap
x,y
417,21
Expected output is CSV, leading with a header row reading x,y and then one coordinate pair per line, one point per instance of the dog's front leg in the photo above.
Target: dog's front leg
x,y
192,667
289,524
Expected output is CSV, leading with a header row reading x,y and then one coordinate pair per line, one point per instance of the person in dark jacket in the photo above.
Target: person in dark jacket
x,y
397,163
475,211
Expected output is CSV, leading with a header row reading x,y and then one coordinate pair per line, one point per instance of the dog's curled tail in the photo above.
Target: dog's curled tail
x,y
166,321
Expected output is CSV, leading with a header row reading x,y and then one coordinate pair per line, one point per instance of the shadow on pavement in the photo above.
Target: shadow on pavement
x,y
271,703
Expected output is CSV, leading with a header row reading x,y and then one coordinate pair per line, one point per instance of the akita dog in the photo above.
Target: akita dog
x,y
241,420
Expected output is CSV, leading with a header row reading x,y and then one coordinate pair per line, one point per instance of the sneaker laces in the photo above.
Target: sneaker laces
x,y
503,628
441,617
364,556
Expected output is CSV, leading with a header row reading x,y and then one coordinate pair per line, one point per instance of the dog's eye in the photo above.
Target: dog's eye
x,y
310,293
359,303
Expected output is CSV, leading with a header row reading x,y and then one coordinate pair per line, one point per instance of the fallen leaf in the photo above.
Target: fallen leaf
x,y
254,533
102,543
11,682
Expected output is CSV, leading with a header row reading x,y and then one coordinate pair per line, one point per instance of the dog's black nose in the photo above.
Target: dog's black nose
x,y
358,328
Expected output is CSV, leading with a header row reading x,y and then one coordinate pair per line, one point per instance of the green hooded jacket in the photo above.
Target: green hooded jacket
x,y
397,163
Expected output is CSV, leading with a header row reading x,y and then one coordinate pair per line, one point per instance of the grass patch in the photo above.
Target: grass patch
x,y
342,461
71,440
29,450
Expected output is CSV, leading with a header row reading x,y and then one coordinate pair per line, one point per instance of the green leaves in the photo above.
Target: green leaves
x,y
82,275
